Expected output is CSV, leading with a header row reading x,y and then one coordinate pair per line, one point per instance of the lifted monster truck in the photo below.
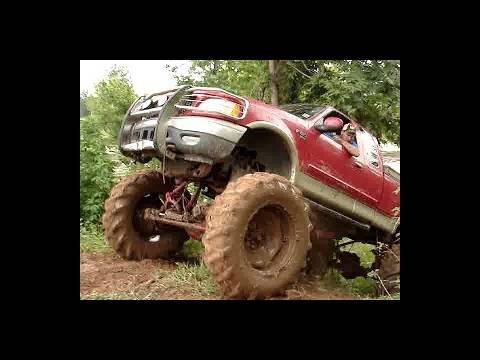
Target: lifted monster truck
x,y
283,191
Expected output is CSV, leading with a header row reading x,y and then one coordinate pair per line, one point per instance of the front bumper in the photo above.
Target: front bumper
x,y
163,131
202,139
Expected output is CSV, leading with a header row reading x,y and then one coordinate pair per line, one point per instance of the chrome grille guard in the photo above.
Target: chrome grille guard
x,y
143,130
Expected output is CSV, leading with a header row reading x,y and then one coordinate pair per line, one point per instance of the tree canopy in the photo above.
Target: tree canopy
x,y
83,106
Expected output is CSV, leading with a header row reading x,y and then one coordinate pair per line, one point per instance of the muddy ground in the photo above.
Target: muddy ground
x,y
107,276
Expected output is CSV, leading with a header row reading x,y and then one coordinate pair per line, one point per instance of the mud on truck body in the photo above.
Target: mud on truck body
x,y
282,191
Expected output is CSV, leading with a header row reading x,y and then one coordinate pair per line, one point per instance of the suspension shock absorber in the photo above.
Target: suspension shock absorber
x,y
193,201
173,196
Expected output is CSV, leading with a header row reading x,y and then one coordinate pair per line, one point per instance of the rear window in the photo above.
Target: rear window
x,y
303,111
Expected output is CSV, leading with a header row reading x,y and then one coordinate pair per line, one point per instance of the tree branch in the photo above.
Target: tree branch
x,y
308,76
263,92
306,68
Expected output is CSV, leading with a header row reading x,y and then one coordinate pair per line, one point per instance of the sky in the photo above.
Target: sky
x,y
147,75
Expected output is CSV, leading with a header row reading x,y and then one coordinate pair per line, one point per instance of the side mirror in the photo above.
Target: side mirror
x,y
322,128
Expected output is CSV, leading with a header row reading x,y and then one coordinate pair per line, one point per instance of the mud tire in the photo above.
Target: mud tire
x,y
276,207
118,219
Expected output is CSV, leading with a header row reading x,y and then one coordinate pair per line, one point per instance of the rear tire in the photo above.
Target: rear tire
x,y
130,240
257,237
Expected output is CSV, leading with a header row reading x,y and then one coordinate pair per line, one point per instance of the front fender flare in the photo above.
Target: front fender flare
x,y
287,139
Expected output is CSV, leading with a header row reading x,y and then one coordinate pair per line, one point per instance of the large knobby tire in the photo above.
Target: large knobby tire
x,y
389,270
119,220
257,237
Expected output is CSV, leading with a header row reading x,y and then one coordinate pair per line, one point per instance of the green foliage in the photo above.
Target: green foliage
x,y
364,287
92,239
364,252
98,142
368,90
193,250
360,286
247,78
96,168
83,106
113,96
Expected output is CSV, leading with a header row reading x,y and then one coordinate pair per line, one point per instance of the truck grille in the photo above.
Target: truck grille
x,y
195,96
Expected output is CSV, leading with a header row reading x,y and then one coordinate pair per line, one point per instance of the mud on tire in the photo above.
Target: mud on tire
x,y
119,219
257,237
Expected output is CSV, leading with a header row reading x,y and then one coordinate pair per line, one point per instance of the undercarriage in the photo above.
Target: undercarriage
x,y
197,185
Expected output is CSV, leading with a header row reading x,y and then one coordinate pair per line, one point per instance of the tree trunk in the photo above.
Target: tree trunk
x,y
215,66
273,69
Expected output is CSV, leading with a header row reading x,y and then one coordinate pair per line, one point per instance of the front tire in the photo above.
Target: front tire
x,y
131,240
257,237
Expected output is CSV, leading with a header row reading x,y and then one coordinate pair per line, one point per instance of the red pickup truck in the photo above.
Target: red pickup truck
x,y
267,190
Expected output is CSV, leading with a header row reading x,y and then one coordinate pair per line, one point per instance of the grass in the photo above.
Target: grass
x,y
195,277
92,239
111,296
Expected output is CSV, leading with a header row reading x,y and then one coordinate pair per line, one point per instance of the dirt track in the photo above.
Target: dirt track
x,y
107,276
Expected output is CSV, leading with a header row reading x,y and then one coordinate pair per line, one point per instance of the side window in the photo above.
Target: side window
x,y
329,134
336,118
332,134
371,150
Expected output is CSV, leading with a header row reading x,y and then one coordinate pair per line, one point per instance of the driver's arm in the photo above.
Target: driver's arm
x,y
352,149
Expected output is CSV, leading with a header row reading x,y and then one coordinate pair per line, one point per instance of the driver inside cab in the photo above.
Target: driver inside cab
x,y
347,134
347,139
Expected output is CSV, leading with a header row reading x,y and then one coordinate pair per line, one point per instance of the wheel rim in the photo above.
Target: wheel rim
x,y
267,242
149,231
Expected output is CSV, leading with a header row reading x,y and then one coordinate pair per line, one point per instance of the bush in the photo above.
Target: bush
x,y
193,250
98,135
360,286
92,239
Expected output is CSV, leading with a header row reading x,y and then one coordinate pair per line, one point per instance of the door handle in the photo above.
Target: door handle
x,y
357,164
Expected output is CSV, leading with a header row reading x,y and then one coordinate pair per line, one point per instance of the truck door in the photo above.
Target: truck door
x,y
329,162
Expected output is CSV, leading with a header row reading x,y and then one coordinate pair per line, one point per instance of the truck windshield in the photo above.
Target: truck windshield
x,y
303,111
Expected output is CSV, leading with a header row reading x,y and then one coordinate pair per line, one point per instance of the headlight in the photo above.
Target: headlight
x,y
221,106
